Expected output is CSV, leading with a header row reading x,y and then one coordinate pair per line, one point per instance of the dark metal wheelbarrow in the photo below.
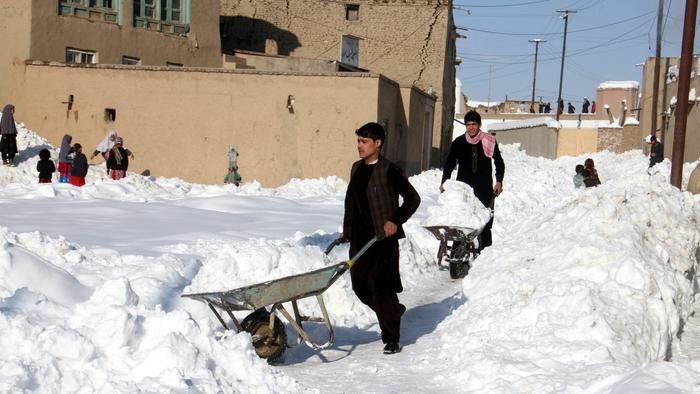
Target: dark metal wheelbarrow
x,y
459,246
266,300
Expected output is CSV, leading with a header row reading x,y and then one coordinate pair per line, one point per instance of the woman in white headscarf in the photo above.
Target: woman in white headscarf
x,y
105,147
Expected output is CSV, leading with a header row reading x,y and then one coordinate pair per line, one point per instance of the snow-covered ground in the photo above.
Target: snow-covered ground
x,y
584,290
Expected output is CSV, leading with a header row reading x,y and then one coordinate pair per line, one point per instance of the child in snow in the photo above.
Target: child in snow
x,y
590,177
578,178
118,160
65,159
45,166
79,168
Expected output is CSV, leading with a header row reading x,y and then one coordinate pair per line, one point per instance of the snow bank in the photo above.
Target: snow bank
x,y
525,123
595,285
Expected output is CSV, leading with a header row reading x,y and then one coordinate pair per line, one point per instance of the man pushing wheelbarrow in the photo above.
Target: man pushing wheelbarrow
x,y
372,225
372,209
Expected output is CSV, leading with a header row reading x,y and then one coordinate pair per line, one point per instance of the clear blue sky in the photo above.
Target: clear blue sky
x,y
606,40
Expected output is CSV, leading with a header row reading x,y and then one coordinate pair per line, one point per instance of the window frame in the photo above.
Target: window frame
x,y
83,9
131,61
352,10
162,16
81,53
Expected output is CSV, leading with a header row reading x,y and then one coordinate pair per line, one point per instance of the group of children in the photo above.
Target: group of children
x,y
586,174
73,164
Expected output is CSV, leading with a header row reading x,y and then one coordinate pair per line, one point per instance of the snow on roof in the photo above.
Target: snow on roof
x,y
619,85
489,104
525,123
630,120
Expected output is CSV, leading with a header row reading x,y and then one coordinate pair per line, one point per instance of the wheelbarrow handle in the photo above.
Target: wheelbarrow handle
x,y
362,251
333,244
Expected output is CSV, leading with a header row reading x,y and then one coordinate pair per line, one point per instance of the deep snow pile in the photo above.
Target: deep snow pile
x,y
583,290
592,285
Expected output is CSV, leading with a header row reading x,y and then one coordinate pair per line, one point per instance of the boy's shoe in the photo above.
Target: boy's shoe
x,y
392,348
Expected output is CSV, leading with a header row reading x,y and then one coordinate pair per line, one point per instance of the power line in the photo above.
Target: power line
x,y
557,33
500,5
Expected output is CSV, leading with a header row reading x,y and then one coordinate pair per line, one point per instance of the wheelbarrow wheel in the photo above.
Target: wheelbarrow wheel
x,y
269,344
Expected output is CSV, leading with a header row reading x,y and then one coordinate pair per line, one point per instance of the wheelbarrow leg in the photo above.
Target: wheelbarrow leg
x,y
326,319
235,321
217,316
300,330
297,317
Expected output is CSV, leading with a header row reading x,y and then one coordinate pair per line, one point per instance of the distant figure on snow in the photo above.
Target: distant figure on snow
x,y
586,105
593,107
578,178
80,167
45,166
571,109
590,174
548,107
521,107
233,176
65,159
656,155
118,161
8,141
105,147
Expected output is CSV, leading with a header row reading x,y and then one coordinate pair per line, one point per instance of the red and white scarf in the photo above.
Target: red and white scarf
x,y
488,142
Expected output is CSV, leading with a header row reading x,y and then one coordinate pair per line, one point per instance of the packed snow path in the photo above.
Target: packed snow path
x,y
355,362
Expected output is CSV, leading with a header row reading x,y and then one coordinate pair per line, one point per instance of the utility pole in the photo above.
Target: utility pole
x,y
664,116
560,106
537,42
657,70
691,12
488,103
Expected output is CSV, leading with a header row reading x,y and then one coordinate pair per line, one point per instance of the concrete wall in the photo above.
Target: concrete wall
x,y
412,42
540,141
692,132
15,27
52,33
576,141
181,122
417,140
647,94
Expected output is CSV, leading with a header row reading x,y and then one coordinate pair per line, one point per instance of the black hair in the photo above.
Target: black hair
x,y
472,116
372,130
653,138
44,154
579,168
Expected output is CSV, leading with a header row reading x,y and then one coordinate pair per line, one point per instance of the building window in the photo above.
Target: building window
x,y
104,10
168,16
132,61
79,56
110,114
171,64
352,12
